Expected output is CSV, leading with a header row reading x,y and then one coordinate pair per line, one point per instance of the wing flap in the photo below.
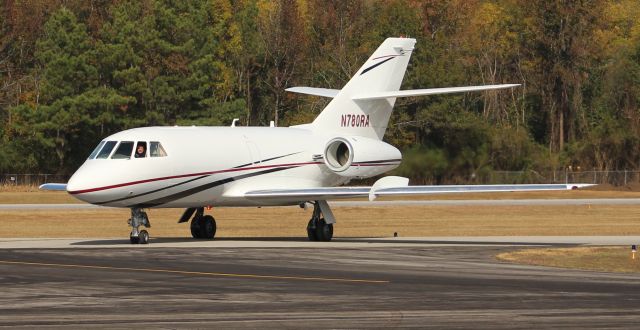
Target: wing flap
x,y
429,91
303,195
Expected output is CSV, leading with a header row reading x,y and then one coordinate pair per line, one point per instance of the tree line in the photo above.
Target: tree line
x,y
75,71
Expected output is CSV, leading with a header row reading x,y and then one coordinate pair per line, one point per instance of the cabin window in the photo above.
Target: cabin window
x,y
96,150
124,150
106,150
156,150
141,150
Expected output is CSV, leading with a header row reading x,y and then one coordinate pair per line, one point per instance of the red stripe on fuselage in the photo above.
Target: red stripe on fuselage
x,y
186,176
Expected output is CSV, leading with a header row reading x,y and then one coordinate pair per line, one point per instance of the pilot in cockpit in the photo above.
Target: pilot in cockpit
x,y
141,150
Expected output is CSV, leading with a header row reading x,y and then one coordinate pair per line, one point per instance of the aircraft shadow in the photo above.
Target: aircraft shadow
x,y
335,241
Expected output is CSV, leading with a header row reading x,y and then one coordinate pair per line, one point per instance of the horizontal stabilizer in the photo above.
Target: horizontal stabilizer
x,y
324,92
54,186
429,91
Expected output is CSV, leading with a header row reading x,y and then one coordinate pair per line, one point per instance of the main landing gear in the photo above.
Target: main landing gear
x,y
202,226
139,218
320,227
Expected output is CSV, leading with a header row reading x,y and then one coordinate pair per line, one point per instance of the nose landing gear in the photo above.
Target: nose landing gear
x,y
139,218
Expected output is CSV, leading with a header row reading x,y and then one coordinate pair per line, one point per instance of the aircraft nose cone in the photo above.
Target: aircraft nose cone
x,y
72,184
77,187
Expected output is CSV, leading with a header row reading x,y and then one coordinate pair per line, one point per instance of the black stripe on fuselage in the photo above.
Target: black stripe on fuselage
x,y
152,191
190,180
376,65
268,159
195,190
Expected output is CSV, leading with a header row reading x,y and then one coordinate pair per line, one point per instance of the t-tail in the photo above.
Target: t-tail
x,y
363,106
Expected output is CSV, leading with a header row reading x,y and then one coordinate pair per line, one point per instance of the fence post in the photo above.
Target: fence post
x,y
625,177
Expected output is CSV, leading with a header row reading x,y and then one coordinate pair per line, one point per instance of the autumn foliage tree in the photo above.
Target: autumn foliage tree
x,y
73,72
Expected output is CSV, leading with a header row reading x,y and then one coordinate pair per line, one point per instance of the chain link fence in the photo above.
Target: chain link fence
x,y
30,179
615,178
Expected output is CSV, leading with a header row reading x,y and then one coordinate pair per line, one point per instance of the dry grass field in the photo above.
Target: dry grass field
x,y
610,259
352,221
372,221
31,195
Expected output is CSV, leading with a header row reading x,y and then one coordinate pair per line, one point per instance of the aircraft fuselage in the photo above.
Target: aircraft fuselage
x,y
214,166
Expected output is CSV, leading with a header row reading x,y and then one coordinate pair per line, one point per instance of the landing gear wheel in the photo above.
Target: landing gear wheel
x,y
311,231
207,227
203,227
138,218
195,227
318,229
143,237
324,231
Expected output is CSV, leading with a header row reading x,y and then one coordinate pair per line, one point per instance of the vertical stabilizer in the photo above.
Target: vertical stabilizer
x,y
383,72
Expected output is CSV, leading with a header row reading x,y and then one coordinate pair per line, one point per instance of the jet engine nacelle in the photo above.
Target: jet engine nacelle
x,y
360,157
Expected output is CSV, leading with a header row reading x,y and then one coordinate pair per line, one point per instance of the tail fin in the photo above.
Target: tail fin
x,y
383,72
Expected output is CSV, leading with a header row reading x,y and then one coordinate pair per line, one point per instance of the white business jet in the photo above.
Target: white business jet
x,y
198,167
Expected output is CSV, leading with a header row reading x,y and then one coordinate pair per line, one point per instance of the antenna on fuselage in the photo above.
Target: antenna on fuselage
x,y
272,124
235,120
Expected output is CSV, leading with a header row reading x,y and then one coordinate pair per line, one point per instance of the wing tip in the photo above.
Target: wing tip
x,y
576,186
53,187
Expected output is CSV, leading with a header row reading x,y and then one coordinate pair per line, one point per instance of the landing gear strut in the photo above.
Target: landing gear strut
x,y
139,218
318,229
202,226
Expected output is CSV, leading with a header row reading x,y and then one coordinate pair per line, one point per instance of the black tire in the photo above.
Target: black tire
x,y
207,227
311,231
195,228
143,237
134,240
324,231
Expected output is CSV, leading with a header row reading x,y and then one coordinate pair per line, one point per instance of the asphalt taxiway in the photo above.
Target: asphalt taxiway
x,y
290,283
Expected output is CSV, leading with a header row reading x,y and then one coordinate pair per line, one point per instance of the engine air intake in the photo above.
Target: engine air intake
x,y
338,154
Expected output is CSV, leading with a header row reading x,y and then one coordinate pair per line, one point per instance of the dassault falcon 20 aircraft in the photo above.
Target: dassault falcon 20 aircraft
x,y
198,167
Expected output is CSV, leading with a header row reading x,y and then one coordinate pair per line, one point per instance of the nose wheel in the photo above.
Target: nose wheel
x,y
139,218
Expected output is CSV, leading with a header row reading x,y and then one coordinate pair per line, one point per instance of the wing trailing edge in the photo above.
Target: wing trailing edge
x,y
395,186
324,92
429,91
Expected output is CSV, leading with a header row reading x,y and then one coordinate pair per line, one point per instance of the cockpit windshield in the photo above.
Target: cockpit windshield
x,y
126,148
96,150
106,150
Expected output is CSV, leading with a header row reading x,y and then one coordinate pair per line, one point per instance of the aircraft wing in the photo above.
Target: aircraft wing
x,y
54,186
373,192
429,91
